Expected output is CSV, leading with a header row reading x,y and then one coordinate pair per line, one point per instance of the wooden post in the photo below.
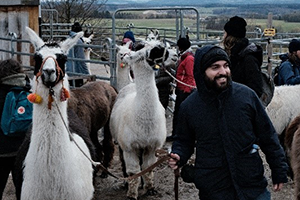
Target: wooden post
x,y
269,45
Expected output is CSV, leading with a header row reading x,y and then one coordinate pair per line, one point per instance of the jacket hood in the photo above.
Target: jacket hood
x,y
198,72
15,80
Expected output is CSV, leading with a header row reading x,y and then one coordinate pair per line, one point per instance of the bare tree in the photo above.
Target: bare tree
x,y
70,11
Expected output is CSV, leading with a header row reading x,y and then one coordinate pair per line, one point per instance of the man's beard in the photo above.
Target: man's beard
x,y
212,84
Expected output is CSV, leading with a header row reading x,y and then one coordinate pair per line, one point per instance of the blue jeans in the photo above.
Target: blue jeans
x,y
265,195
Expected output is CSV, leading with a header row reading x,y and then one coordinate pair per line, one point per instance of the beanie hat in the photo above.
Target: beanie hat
x,y
130,35
294,45
76,27
236,27
213,55
183,43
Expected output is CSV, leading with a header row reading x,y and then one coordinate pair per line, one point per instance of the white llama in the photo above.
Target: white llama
x,y
138,119
54,167
283,107
123,68
87,39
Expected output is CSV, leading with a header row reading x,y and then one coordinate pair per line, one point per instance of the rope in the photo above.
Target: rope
x,y
159,153
179,80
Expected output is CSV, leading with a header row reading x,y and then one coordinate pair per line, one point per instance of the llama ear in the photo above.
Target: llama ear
x,y
36,41
168,46
187,37
70,42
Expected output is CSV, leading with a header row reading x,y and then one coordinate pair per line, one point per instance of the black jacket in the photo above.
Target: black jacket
x,y
246,60
223,127
10,145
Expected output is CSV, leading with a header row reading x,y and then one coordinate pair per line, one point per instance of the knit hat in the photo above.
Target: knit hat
x,y
130,35
236,27
76,27
294,45
183,43
213,55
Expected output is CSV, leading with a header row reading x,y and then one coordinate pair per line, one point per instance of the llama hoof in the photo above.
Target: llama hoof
x,y
151,192
103,175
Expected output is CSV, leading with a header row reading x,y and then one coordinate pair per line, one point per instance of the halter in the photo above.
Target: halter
x,y
59,70
64,94
156,59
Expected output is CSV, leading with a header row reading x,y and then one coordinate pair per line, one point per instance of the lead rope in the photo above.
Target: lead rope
x,y
97,165
159,153
179,80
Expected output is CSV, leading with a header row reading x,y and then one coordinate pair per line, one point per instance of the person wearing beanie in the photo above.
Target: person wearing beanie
x,y
184,75
246,58
78,67
289,69
129,37
225,125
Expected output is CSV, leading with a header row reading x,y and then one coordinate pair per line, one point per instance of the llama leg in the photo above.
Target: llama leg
x,y
132,167
108,148
148,159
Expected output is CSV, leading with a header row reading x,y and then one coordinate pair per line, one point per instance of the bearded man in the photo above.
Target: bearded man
x,y
226,125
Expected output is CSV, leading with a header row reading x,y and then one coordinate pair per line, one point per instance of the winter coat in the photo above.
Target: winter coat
x,y
10,145
246,60
288,74
184,71
223,128
76,52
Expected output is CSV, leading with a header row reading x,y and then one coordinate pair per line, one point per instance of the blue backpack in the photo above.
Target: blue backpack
x,y
17,113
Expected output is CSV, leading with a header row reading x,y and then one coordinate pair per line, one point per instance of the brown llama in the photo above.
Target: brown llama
x,y
292,144
93,103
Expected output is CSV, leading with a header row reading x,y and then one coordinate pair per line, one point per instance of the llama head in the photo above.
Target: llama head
x,y
122,51
172,58
87,39
154,54
50,58
153,35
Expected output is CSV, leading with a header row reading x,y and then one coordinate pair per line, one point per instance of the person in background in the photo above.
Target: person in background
x,y
289,70
11,75
226,125
185,78
129,37
76,52
246,58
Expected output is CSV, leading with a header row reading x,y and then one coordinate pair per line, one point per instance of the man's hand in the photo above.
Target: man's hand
x,y
173,160
277,187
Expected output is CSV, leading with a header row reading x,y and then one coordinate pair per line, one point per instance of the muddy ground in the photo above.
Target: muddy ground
x,y
113,189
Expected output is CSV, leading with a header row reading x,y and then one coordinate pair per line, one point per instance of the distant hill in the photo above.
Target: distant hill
x,y
197,2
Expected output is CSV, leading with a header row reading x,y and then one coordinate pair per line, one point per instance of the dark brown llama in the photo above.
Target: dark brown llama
x,y
292,144
93,103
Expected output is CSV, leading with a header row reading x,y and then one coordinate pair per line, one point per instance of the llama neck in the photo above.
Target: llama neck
x,y
145,84
122,76
48,127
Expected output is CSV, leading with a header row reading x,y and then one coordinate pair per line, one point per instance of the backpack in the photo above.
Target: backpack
x,y
17,113
268,88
